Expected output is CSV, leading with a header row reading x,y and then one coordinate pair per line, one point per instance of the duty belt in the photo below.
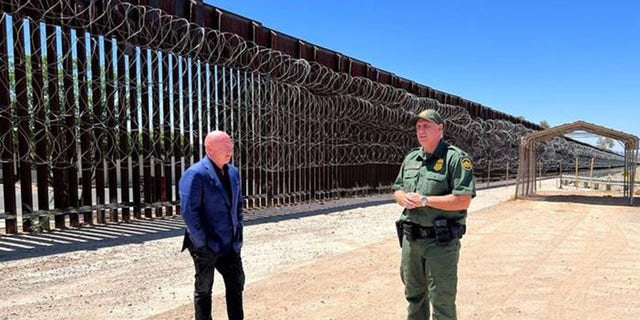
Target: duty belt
x,y
414,231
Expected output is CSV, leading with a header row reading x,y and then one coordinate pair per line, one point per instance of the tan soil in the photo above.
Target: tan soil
x,y
570,255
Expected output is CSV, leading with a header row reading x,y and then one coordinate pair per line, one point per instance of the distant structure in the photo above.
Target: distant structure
x,y
526,182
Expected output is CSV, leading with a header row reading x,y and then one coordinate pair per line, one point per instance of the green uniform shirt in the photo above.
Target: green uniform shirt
x,y
447,171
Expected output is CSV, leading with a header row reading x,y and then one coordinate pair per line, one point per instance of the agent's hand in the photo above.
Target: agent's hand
x,y
412,200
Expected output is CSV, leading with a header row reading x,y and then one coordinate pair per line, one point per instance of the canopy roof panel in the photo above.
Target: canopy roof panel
x,y
630,141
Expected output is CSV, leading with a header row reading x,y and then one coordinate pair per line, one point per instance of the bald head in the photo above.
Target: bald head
x,y
219,147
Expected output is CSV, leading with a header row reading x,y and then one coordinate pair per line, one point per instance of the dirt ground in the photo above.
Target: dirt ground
x,y
566,254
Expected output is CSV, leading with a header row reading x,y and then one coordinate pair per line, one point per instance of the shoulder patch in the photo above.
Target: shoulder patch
x,y
466,164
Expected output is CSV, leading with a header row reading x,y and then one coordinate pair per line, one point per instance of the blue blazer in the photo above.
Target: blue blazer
x,y
211,218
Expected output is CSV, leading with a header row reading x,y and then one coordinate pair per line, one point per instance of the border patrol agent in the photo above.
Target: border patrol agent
x,y
435,186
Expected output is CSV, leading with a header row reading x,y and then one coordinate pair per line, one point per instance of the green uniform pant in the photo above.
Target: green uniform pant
x,y
430,275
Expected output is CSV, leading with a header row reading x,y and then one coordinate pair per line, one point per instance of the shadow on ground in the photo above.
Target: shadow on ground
x,y
22,246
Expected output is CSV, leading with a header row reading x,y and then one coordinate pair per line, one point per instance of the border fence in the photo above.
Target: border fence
x,y
104,103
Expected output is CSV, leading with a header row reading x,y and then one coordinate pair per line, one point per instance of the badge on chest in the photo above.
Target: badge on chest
x,y
438,165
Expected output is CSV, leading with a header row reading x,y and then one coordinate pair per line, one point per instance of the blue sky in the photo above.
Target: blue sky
x,y
558,61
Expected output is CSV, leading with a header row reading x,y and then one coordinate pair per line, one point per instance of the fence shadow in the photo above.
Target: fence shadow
x,y
22,246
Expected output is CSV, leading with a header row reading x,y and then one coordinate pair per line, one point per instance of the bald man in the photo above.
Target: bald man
x,y
211,204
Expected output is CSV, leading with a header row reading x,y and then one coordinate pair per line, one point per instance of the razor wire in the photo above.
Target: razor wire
x,y
104,82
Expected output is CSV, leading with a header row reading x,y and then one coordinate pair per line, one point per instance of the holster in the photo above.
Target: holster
x,y
399,231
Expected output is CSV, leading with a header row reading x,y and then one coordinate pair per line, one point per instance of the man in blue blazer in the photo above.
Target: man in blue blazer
x,y
211,204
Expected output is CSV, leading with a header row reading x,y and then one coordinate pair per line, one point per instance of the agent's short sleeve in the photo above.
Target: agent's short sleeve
x,y
462,180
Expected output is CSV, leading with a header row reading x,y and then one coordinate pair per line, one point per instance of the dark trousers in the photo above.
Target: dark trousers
x,y
230,267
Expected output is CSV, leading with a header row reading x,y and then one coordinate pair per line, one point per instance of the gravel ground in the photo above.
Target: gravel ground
x,y
136,270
